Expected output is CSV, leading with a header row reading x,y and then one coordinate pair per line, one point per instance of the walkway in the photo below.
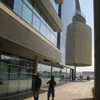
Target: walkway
x,y
80,90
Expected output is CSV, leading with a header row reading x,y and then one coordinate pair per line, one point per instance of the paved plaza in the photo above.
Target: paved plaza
x,y
79,90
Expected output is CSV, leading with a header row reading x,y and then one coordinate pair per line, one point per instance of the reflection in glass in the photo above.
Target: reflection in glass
x,y
25,10
27,14
15,75
45,73
36,22
18,7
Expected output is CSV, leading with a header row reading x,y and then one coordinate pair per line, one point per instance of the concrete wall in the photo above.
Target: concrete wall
x,y
79,45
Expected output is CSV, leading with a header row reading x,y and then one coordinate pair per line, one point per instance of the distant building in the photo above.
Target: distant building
x,y
88,73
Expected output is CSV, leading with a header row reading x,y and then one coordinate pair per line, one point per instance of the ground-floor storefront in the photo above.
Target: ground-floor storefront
x,y
16,75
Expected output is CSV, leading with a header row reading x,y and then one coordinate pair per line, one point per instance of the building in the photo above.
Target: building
x,y
86,74
28,36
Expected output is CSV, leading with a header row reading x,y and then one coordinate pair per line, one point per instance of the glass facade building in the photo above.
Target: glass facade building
x,y
15,75
17,69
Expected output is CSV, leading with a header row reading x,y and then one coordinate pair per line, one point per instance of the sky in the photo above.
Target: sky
x,y
68,12
87,9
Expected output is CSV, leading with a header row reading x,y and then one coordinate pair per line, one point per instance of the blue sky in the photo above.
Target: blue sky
x,y
87,9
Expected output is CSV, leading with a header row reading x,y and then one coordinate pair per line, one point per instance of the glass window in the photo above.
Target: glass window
x,y
36,22
25,73
15,75
3,71
13,72
43,29
45,73
56,74
3,79
18,7
27,14
29,73
24,9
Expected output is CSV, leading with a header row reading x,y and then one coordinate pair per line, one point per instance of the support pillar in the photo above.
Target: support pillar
x,y
60,73
51,69
97,47
59,35
75,73
35,66
66,73
34,70
72,74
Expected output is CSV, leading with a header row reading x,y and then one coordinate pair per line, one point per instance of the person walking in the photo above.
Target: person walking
x,y
37,85
51,89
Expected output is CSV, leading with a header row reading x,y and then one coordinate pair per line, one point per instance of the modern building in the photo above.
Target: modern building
x,y
89,74
28,36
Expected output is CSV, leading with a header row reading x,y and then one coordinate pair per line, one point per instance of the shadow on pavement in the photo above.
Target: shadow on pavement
x,y
85,99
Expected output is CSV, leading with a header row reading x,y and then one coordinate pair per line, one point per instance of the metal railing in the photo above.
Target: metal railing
x,y
30,15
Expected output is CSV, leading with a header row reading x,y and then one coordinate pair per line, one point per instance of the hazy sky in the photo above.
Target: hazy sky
x,y
87,9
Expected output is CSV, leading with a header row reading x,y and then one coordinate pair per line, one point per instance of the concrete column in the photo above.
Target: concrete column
x,y
72,74
59,35
75,73
51,69
60,72
66,73
97,47
34,70
35,66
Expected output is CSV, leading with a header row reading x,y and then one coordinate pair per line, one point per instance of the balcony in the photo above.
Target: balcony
x,y
48,12
23,9
20,38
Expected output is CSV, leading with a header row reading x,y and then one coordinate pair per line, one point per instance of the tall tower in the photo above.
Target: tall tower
x,y
77,6
79,40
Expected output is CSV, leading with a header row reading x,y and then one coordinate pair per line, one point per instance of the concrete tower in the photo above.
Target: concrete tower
x,y
77,5
79,40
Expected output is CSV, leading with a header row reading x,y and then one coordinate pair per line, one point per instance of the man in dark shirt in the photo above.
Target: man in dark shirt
x,y
51,89
37,85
